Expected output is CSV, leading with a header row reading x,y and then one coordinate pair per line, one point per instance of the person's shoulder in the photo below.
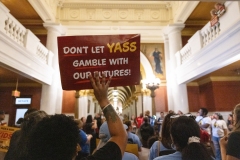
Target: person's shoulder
x,y
155,144
103,152
207,118
175,156
128,156
135,136
235,134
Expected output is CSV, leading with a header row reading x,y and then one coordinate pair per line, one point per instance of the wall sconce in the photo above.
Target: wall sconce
x,y
16,93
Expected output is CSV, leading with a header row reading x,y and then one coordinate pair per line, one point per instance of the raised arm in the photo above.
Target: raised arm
x,y
115,125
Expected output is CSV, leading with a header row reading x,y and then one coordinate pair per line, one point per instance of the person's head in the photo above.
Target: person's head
x,y
104,134
31,119
218,116
133,117
19,121
165,131
147,113
2,115
230,117
151,140
97,115
89,119
180,112
185,134
79,123
236,117
55,137
170,111
141,115
83,119
146,119
161,114
129,125
203,112
30,110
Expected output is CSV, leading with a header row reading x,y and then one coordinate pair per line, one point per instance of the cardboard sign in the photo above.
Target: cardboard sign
x,y
5,136
115,55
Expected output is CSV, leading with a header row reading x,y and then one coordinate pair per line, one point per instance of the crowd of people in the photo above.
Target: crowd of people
x,y
174,136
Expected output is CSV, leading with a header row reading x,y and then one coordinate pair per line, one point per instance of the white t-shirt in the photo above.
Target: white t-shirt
x,y
198,118
218,127
204,121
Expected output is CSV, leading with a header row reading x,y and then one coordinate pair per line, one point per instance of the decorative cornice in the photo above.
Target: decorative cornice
x,y
31,22
193,84
196,22
157,17
219,79
116,4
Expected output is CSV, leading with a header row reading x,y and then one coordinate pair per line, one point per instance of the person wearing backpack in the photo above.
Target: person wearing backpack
x,y
146,131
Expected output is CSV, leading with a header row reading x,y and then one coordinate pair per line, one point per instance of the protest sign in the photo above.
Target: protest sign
x,y
117,56
5,137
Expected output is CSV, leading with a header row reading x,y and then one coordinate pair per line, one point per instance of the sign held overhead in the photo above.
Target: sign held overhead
x,y
116,56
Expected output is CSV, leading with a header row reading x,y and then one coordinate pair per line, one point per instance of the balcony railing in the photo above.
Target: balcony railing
x,y
23,37
208,33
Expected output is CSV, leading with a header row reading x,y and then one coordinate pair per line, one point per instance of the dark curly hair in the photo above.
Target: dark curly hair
x,y
55,137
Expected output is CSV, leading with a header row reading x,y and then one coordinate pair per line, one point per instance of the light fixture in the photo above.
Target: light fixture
x,y
16,93
115,93
152,84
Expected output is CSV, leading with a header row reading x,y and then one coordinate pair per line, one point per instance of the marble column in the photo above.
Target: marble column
x,y
147,102
139,104
51,98
177,93
168,71
81,105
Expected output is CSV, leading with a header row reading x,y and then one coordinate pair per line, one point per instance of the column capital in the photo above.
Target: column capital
x,y
165,38
77,94
172,28
57,27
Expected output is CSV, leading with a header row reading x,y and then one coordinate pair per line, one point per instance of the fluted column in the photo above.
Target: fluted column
x,y
177,94
51,98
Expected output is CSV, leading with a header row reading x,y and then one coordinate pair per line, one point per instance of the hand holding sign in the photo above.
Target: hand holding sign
x,y
100,88
116,56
